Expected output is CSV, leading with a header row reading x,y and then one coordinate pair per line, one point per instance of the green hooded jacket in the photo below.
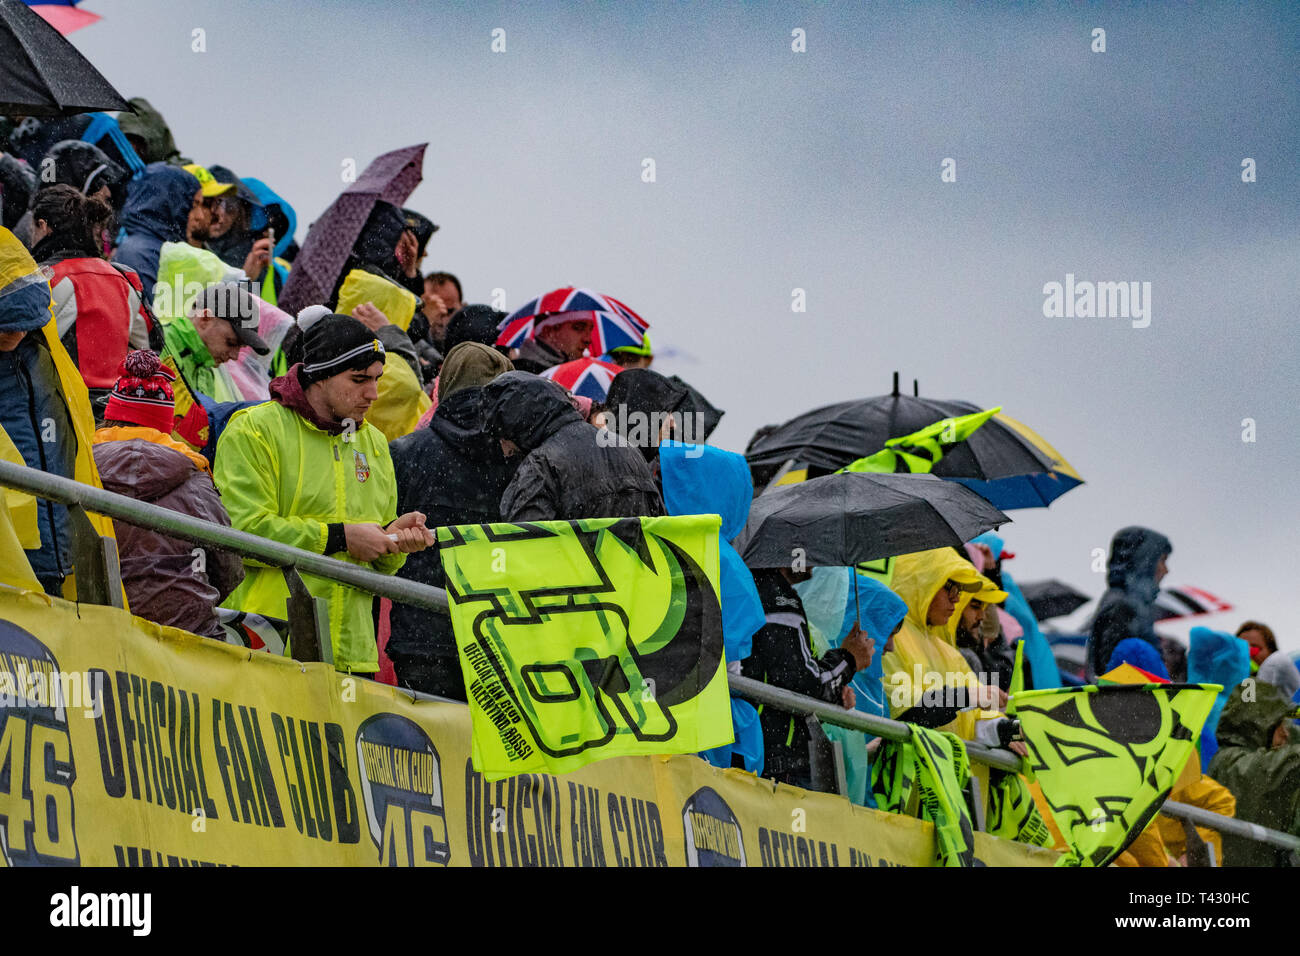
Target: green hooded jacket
x,y
193,360
1265,781
147,124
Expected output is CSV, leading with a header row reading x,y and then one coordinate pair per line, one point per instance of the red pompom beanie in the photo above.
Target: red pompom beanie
x,y
143,393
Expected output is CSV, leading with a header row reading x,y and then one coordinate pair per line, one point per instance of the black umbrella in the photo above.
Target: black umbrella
x,y
843,520
1052,598
995,460
42,74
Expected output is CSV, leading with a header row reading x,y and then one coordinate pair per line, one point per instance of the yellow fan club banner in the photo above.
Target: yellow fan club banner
x,y
584,640
126,744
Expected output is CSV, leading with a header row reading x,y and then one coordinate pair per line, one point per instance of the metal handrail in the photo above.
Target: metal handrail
x,y
197,531
983,754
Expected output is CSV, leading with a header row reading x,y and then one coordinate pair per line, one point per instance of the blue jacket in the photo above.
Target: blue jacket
x,y
1214,657
157,210
268,197
1040,662
37,419
699,479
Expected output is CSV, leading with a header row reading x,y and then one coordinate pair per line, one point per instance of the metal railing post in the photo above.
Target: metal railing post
x,y
94,556
309,621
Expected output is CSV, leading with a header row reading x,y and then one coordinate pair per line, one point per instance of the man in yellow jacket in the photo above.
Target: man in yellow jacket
x,y
306,469
926,678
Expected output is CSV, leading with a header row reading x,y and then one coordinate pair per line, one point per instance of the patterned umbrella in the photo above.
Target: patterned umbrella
x,y
1187,602
63,15
585,376
614,324
42,74
391,178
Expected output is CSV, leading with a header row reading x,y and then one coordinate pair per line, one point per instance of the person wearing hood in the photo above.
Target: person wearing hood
x,y
783,656
453,473
149,134
138,458
44,408
1259,762
97,306
87,169
1137,565
1215,657
1270,664
314,428
699,480
159,208
645,408
421,229
282,220
833,613
570,469
927,680
379,249
220,321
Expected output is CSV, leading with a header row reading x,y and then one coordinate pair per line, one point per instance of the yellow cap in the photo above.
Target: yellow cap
x,y
211,187
990,593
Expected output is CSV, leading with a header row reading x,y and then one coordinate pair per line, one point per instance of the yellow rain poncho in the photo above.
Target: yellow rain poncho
x,y
402,401
18,268
924,656
18,531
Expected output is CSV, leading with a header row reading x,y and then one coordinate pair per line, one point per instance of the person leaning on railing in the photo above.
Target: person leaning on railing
x,y
306,469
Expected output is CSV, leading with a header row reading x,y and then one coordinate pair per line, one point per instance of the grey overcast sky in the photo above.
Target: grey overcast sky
x,y
778,170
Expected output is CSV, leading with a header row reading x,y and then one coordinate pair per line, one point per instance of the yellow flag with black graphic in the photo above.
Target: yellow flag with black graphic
x,y
1107,757
588,639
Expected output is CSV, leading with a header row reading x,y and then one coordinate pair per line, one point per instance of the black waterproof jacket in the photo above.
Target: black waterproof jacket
x,y
571,469
1127,608
455,474
782,656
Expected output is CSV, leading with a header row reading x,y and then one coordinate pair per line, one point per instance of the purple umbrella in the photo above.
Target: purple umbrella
x,y
391,178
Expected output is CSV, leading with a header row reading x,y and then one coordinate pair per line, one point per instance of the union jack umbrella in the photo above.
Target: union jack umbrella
x,y
613,323
588,377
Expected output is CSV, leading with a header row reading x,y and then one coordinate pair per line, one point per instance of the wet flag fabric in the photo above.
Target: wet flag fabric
x,y
934,763
588,639
1106,757
1011,813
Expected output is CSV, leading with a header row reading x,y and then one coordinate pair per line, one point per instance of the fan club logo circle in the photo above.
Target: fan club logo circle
x,y
713,836
36,770
401,783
